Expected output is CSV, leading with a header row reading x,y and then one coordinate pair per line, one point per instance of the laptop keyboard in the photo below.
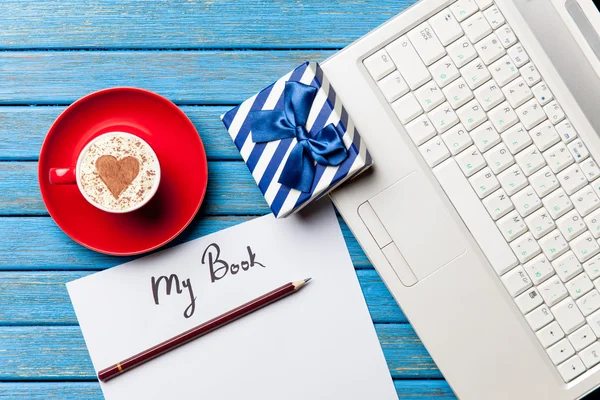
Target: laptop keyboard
x,y
507,156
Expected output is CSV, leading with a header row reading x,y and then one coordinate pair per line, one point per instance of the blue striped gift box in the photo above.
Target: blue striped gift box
x,y
266,160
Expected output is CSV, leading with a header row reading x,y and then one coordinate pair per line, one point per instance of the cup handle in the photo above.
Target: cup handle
x,y
62,176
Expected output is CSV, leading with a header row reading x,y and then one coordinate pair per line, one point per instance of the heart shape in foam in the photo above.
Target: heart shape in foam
x,y
117,175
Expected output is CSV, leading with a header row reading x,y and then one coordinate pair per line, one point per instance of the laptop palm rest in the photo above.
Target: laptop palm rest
x,y
423,236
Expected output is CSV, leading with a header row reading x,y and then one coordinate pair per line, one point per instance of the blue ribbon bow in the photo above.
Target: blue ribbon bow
x,y
326,147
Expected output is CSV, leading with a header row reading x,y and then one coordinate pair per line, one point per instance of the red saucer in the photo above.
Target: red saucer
x,y
184,171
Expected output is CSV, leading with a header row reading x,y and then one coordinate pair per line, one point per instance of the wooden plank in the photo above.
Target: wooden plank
x,y
406,389
41,298
189,23
59,353
36,243
185,77
231,190
23,128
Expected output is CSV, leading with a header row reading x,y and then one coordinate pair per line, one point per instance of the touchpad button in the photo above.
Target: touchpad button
x,y
419,224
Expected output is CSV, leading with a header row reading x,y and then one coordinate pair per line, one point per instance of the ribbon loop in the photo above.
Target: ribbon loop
x,y
325,148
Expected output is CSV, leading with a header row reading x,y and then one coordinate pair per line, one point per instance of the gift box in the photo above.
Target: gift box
x,y
297,139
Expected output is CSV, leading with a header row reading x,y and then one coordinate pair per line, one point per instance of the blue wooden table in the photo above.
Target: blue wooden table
x,y
206,56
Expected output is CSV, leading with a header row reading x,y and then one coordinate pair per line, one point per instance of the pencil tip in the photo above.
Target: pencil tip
x,y
307,279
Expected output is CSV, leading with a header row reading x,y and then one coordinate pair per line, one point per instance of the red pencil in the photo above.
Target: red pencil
x,y
200,330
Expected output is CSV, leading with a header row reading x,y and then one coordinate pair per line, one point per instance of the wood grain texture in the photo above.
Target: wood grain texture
x,y
184,77
36,243
41,298
406,389
23,128
59,353
190,23
231,190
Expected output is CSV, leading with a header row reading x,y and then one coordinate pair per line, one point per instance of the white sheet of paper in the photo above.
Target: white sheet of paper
x,y
318,343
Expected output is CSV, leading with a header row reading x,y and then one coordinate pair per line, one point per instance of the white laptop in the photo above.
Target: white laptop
x,y
482,212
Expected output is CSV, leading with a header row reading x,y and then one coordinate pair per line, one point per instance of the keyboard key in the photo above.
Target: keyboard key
x,y
544,181
525,247
594,322
568,315
530,160
539,269
407,108
443,118
506,36
379,64
530,74
567,267
529,300
571,225
544,135
490,49
445,26
494,17
542,93
498,204
578,150
582,338
471,115
593,223
561,351
393,86
444,71
484,183
571,369
499,158
475,73
408,62
553,245
518,55
517,92
503,117
585,246
589,303
553,291
526,201
531,114
554,112
512,180
591,355
426,43
572,179
461,52
485,137
540,223
590,169
516,281
434,151
566,131
470,161
512,226
429,96
579,285
476,27
457,139
539,317
585,201
504,71
474,215
420,130
458,93
489,95
551,334
516,138
462,9
558,157
483,4
557,203
592,267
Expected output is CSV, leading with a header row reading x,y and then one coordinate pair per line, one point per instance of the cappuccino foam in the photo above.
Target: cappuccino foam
x,y
122,146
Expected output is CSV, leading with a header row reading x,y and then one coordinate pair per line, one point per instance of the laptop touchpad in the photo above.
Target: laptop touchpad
x,y
419,224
